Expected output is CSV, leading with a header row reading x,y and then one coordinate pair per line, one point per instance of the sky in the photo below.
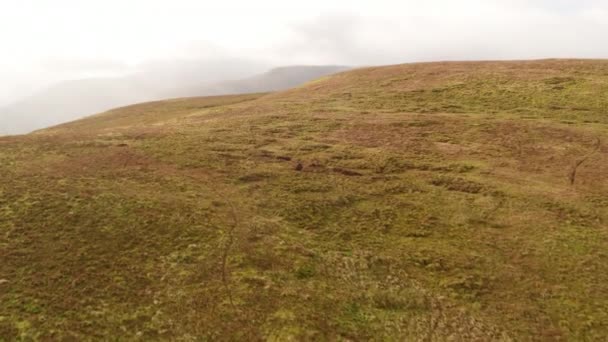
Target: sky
x,y
44,41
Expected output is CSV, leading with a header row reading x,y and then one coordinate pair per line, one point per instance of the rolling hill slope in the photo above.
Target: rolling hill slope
x,y
437,201
72,100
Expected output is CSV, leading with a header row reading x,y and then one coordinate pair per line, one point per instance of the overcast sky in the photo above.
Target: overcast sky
x,y
49,40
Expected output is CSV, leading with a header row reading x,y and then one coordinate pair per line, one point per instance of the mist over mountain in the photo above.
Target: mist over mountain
x,y
74,99
399,170
273,80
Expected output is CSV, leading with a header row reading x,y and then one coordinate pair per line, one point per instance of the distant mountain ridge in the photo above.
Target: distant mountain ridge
x,y
274,80
70,100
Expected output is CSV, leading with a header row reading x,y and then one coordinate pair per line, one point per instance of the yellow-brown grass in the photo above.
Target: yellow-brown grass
x,y
413,202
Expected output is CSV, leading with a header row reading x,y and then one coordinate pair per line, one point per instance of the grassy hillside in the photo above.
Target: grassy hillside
x,y
412,202
71,100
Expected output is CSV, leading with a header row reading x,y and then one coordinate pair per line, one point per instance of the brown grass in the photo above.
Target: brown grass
x,y
433,203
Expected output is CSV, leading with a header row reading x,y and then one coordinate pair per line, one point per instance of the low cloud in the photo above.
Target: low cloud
x,y
491,31
88,65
